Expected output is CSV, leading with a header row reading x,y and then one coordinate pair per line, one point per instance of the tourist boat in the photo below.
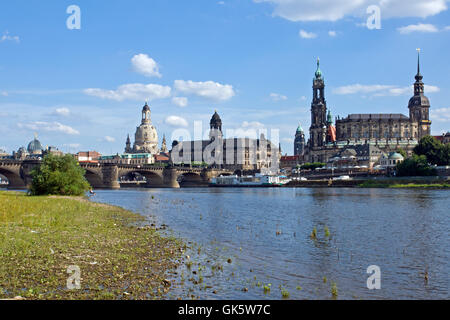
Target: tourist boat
x,y
258,180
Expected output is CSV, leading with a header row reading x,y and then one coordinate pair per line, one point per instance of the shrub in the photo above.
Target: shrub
x,y
312,166
59,175
436,152
415,166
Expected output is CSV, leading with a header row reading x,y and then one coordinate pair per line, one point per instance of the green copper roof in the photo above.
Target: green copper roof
x,y
299,129
329,117
318,71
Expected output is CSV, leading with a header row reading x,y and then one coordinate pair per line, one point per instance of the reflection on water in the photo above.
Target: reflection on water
x,y
243,239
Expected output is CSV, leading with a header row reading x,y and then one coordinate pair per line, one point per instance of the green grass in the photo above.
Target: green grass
x,y
40,237
376,184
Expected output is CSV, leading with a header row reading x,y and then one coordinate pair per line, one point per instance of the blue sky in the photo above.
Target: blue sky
x,y
251,60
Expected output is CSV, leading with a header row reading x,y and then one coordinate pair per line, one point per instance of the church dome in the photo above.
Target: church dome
x,y
146,107
419,100
395,156
35,146
299,129
215,118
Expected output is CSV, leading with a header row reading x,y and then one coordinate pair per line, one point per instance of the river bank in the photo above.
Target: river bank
x,y
118,257
417,182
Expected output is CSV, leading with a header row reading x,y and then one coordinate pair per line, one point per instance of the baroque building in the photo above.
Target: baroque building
x,y
237,154
146,136
387,132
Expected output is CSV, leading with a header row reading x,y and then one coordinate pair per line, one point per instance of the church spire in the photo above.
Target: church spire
x,y
419,77
318,71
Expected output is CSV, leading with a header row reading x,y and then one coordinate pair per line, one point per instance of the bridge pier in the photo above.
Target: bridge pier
x,y
110,174
170,176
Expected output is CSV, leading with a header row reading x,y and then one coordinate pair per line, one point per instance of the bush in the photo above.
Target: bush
x,y
59,175
415,166
312,166
436,152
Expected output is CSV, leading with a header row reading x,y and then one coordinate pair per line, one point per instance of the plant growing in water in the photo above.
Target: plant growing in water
x,y
327,232
334,290
314,233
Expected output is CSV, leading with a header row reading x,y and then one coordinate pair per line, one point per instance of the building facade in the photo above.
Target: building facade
x,y
299,142
146,136
237,154
387,132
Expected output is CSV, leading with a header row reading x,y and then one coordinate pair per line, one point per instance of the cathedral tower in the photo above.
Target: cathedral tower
x,y
419,105
299,142
318,129
215,126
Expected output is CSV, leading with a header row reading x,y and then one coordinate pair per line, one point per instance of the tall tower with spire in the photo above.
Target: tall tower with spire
x,y
164,145
318,129
419,105
128,145
299,142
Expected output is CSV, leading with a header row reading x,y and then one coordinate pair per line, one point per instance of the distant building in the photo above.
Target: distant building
x,y
35,150
237,154
391,160
88,156
444,138
129,158
146,136
289,162
299,142
364,155
387,132
4,154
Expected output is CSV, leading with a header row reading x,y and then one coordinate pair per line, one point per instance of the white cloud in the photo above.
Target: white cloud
x,y
427,28
277,97
7,37
247,129
333,10
109,139
440,115
180,101
72,145
447,28
49,126
132,91
145,65
62,111
332,33
307,35
176,121
381,90
4,93
209,89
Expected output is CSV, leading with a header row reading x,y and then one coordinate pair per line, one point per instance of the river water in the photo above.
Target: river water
x,y
242,240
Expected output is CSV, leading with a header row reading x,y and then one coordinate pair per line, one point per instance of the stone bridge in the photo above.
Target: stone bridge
x,y
106,175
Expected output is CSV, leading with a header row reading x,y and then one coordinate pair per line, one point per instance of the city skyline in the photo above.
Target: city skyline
x,y
83,89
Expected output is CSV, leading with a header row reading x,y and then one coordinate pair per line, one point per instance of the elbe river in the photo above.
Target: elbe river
x,y
241,242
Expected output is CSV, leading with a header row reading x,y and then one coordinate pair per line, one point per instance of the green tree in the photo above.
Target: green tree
x,y
312,166
415,166
59,175
436,152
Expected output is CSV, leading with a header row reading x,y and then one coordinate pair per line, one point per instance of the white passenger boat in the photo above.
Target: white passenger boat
x,y
258,180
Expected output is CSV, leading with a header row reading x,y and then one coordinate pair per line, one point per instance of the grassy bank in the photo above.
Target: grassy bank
x,y
40,237
377,184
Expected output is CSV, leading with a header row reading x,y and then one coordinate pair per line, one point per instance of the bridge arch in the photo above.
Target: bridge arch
x,y
93,177
14,178
153,178
188,179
